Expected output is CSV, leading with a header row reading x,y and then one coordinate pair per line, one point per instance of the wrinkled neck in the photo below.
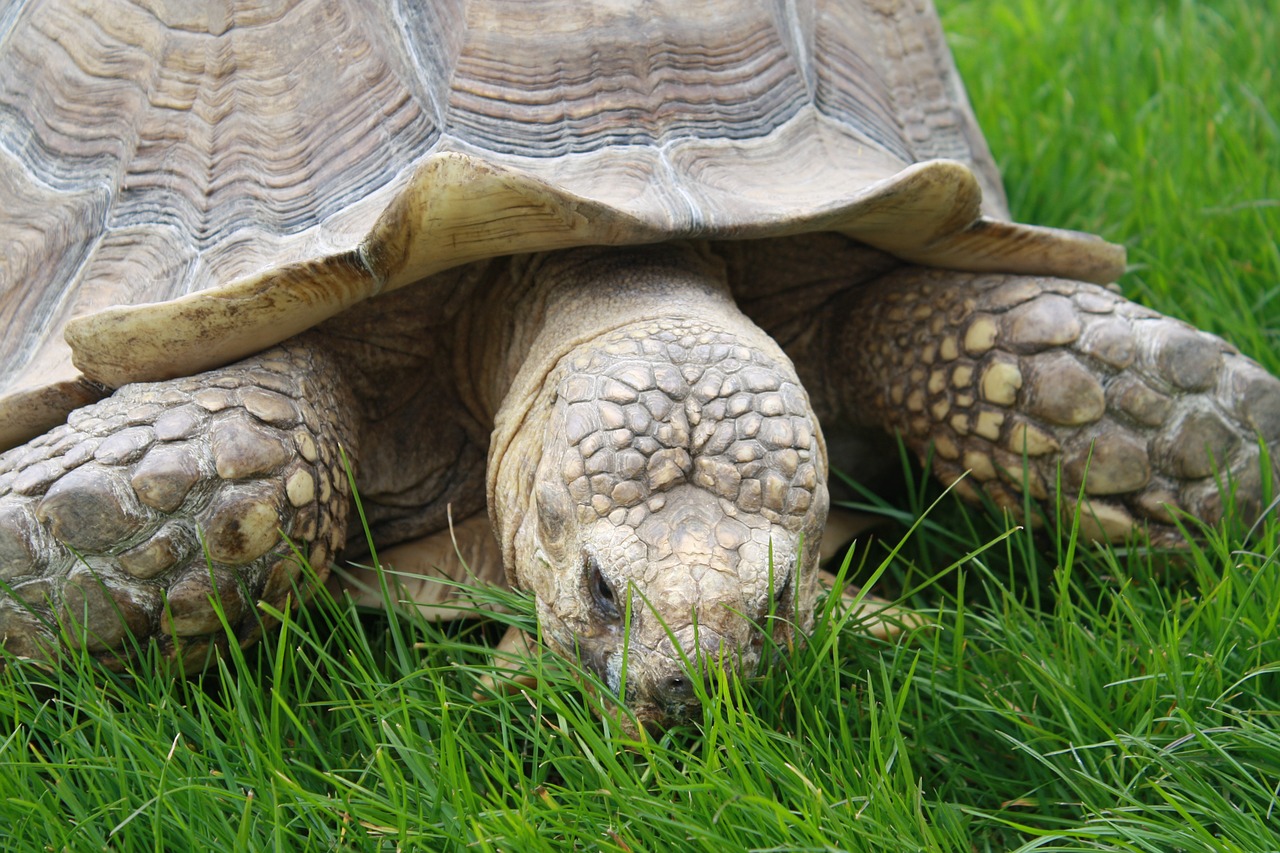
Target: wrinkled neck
x,y
547,307
540,307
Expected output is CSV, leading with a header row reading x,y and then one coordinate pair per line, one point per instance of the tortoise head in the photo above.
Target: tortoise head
x,y
663,495
656,600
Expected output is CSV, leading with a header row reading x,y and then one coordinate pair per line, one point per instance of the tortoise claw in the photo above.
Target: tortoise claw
x,y
512,661
875,616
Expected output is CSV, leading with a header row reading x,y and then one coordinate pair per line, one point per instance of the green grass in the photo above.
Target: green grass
x,y
1155,124
1065,697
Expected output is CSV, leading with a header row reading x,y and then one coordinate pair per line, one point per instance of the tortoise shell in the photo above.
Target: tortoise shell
x,y
185,183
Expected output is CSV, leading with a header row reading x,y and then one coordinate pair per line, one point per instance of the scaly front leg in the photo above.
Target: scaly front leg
x,y
1148,414
131,517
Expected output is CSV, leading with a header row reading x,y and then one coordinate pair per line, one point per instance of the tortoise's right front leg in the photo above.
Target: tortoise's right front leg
x,y
132,516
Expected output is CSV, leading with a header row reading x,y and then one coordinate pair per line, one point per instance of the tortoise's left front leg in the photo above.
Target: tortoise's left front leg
x,y
1143,413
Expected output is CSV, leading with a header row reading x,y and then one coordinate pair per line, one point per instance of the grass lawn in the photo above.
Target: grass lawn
x,y
1065,697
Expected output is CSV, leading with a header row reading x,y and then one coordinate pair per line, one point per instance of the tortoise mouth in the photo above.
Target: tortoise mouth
x,y
659,691
663,673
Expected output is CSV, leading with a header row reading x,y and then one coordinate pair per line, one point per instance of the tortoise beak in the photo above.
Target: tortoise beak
x,y
664,686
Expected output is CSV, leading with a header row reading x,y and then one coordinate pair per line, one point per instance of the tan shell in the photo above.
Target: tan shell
x,y
184,183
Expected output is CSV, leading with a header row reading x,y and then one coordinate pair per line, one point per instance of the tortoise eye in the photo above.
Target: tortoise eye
x,y
602,594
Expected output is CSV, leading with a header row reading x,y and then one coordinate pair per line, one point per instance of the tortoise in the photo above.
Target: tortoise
x,y
627,277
